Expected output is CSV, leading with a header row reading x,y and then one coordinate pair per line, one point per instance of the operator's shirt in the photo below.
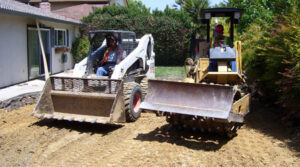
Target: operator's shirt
x,y
215,42
113,56
100,54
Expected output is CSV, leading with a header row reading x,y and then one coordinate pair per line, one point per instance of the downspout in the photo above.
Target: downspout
x,y
43,51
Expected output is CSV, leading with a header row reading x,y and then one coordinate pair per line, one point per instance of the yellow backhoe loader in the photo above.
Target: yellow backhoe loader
x,y
214,95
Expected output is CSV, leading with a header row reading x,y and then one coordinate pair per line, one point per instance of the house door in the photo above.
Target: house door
x,y
35,58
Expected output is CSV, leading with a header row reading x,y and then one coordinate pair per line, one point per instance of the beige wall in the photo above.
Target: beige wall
x,y
13,48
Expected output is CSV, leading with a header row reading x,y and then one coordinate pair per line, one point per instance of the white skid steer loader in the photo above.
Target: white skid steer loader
x,y
115,98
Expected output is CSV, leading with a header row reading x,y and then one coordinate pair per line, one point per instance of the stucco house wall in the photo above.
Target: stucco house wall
x,y
57,64
14,51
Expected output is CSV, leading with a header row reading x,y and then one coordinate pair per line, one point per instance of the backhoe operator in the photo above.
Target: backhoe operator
x,y
220,39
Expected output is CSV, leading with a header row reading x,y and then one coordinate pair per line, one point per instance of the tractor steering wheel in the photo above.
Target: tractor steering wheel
x,y
222,45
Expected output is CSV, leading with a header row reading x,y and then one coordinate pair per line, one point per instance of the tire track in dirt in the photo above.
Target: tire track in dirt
x,y
101,150
60,143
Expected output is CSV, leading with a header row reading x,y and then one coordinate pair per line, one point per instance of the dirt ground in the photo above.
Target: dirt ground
x,y
28,141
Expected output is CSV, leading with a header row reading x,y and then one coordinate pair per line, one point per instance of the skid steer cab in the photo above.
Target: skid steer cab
x,y
113,97
213,97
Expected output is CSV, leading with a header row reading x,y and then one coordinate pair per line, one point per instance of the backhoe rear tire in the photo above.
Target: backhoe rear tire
x,y
133,97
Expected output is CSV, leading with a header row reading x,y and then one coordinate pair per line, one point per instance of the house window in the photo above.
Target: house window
x,y
61,37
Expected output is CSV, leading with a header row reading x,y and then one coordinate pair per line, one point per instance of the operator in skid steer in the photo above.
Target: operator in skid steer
x,y
112,55
84,97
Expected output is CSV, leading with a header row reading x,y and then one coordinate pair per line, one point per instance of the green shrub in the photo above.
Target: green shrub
x,y
273,60
172,33
261,11
80,48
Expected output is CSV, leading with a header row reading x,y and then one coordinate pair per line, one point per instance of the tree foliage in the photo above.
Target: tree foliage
x,y
171,29
193,8
261,11
137,4
256,11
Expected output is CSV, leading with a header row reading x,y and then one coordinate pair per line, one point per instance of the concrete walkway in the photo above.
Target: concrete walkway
x,y
27,87
19,89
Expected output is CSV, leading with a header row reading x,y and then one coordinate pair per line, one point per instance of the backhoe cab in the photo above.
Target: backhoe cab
x,y
222,64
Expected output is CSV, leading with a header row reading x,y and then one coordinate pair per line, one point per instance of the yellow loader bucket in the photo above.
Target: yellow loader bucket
x,y
81,99
214,101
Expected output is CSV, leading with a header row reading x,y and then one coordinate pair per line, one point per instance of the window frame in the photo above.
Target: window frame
x,y
65,40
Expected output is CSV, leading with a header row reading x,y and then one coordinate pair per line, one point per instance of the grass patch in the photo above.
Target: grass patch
x,y
169,72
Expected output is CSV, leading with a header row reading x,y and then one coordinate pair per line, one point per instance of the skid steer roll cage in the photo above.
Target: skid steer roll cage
x,y
126,40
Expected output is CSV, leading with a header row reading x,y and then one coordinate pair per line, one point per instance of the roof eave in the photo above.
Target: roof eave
x,y
34,16
58,1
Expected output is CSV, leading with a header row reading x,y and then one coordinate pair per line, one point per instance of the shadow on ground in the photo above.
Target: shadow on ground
x,y
82,127
268,121
188,138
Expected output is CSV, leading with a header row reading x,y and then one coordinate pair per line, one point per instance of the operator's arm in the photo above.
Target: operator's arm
x,y
212,42
94,57
98,54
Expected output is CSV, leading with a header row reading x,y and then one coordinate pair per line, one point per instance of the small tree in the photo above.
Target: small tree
x,y
193,8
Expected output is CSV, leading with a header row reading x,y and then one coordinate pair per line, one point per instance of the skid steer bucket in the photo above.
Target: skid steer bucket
x,y
205,100
81,99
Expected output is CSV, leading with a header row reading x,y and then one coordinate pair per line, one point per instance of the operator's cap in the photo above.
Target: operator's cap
x,y
219,28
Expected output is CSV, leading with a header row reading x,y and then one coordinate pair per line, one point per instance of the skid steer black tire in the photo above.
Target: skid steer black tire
x,y
133,97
